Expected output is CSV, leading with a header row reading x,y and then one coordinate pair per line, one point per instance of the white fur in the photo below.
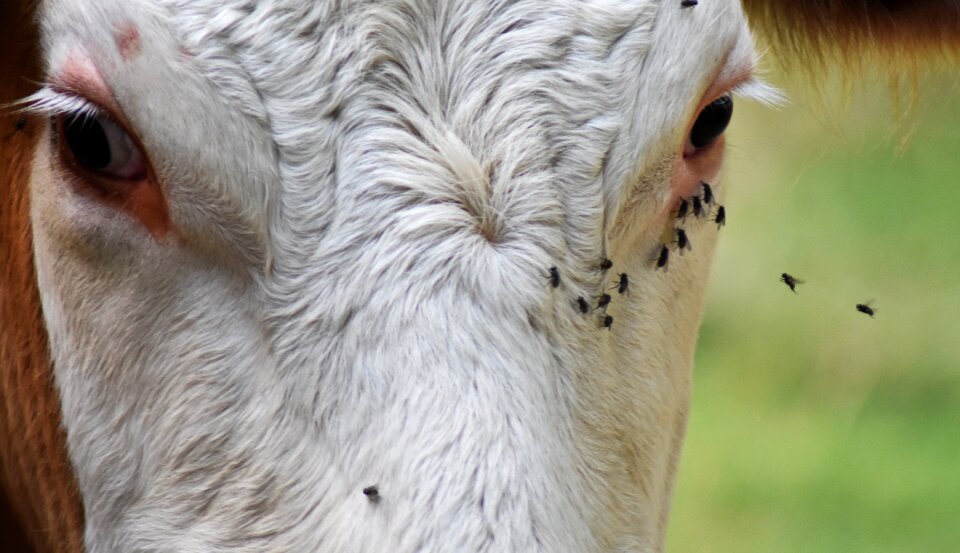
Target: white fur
x,y
368,196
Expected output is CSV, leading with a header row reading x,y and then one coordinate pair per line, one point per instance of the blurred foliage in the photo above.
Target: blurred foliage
x,y
815,428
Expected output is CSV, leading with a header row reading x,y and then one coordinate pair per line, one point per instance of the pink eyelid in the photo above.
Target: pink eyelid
x,y
726,81
79,76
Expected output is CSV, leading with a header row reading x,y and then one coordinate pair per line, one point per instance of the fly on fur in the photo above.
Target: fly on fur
x,y
721,218
623,284
683,242
697,206
554,277
663,257
707,193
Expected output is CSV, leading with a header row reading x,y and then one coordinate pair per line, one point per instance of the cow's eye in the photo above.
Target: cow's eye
x,y
711,122
102,147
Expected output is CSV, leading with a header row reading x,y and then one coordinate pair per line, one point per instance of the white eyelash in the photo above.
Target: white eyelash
x,y
759,91
49,102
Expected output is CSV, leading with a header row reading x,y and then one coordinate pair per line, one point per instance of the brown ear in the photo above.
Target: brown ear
x,y
891,31
40,508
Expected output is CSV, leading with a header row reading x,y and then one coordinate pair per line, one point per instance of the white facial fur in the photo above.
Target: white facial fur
x,y
367,197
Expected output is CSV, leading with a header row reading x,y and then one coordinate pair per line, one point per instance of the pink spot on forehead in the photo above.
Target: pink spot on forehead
x,y
128,41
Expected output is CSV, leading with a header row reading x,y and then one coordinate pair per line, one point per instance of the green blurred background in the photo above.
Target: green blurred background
x,y
815,428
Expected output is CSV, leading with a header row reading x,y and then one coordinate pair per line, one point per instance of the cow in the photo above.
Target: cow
x,y
324,275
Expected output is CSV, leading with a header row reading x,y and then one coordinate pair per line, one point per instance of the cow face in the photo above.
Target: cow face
x,y
314,273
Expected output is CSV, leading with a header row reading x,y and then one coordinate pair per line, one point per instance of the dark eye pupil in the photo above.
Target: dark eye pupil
x,y
87,140
712,121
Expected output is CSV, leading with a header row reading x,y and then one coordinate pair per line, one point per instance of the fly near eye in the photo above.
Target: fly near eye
x,y
712,121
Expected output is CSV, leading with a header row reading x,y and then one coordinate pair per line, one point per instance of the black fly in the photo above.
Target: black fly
x,y
603,301
866,309
554,277
697,206
688,3
682,209
683,242
721,218
707,193
605,264
790,281
623,284
20,124
583,305
606,321
663,257
372,493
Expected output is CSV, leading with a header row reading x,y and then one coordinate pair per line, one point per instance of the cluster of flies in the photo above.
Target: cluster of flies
x,y
699,206
622,285
792,282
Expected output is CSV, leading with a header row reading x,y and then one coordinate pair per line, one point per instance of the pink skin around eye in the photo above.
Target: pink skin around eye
x,y
704,164
140,198
79,75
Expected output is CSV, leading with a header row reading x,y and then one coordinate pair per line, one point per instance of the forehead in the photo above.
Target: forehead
x,y
249,49
306,89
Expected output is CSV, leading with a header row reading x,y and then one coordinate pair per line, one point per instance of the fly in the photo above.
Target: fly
x,y
697,206
721,217
707,193
790,281
663,257
554,277
683,242
623,284
866,309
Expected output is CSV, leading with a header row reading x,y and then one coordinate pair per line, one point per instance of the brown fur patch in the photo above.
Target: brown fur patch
x,y
898,34
38,491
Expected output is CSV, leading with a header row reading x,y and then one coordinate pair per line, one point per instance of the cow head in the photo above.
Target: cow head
x,y
313,273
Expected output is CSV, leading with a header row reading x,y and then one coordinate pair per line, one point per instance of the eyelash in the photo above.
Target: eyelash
x,y
758,91
50,102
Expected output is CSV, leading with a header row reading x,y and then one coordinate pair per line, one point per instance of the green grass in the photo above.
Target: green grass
x,y
815,428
